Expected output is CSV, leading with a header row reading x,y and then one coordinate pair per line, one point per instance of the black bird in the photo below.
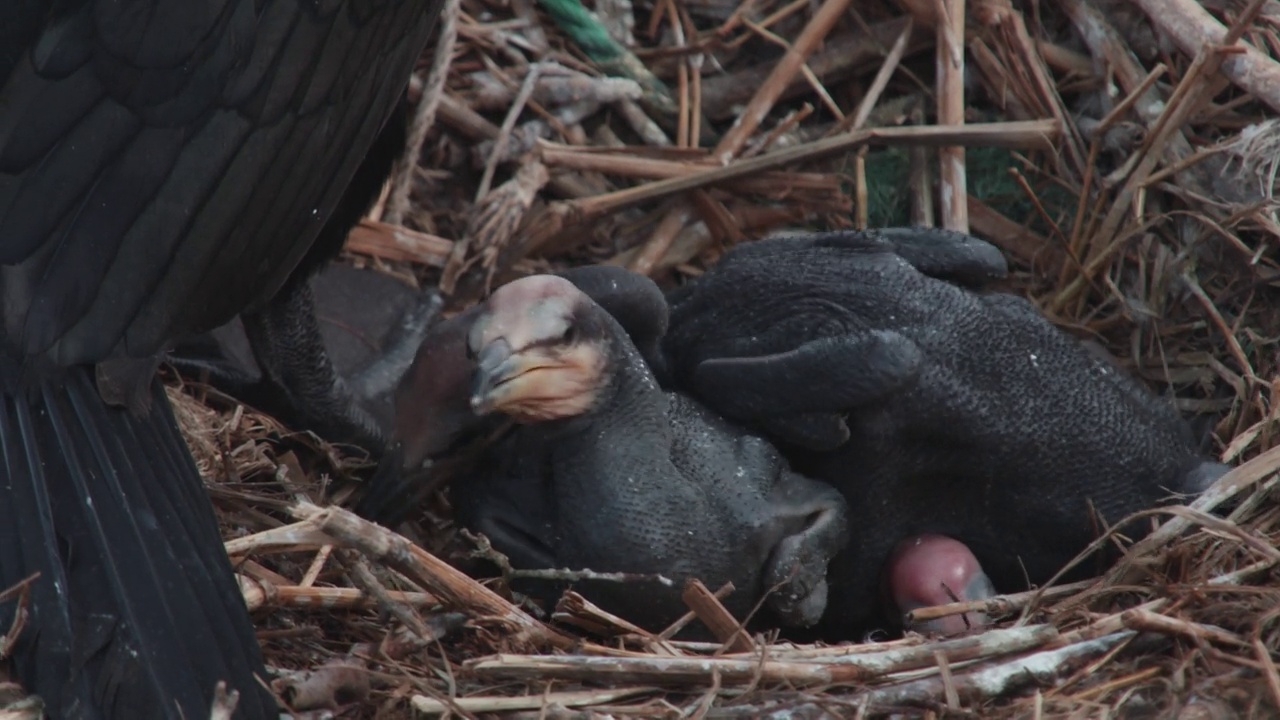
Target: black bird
x,y
434,422
605,471
935,408
164,165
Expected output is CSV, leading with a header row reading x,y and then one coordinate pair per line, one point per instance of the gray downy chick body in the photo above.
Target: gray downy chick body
x,y
638,480
933,408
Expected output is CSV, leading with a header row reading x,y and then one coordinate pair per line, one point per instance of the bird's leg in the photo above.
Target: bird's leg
x,y
403,340
816,521
298,374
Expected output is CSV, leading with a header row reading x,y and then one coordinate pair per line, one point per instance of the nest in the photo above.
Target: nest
x,y
1123,155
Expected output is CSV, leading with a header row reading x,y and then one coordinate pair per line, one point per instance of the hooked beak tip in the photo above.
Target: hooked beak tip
x,y
491,369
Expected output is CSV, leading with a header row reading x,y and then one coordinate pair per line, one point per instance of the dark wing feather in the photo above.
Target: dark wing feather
x,y
122,118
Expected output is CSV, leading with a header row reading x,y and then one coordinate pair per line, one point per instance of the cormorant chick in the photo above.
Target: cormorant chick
x,y
433,419
933,407
607,472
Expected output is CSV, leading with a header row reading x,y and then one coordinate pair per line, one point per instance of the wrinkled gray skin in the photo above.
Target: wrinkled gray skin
x,y
933,408
651,482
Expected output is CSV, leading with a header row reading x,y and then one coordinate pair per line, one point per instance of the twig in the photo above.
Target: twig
x,y
442,580
398,244
485,550
574,608
298,536
1145,620
508,124
769,669
952,185
424,116
360,573
259,594
1226,487
996,606
717,618
690,616
783,71
579,698
1037,134
1191,27
859,116
840,56
999,680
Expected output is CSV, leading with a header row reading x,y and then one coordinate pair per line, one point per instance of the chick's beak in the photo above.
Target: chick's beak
x,y
495,366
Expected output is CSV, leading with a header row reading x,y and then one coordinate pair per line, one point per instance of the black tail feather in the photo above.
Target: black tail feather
x,y
136,612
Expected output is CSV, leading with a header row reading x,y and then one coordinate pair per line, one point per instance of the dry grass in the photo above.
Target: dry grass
x,y
1131,185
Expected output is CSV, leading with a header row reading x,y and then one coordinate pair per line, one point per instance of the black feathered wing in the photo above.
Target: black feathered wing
x,y
165,165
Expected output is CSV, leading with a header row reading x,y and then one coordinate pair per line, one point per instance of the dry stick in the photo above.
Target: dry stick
x,y
1013,237
258,594
1148,621
696,121
839,57
656,247
861,202
805,71
362,576
995,606
690,616
748,121
1235,577
1028,134
788,123
948,683
648,168
398,243
425,116
738,670
1192,27
500,704
575,609
783,72
1110,686
663,670
1181,105
1269,669
952,187
921,181
299,535
1075,243
467,122
508,124
1228,334
999,680
878,84
682,75
438,577
1226,487
1044,83
716,617
317,565
1034,134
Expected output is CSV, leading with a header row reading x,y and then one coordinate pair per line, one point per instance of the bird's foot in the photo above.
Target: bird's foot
x,y
796,570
